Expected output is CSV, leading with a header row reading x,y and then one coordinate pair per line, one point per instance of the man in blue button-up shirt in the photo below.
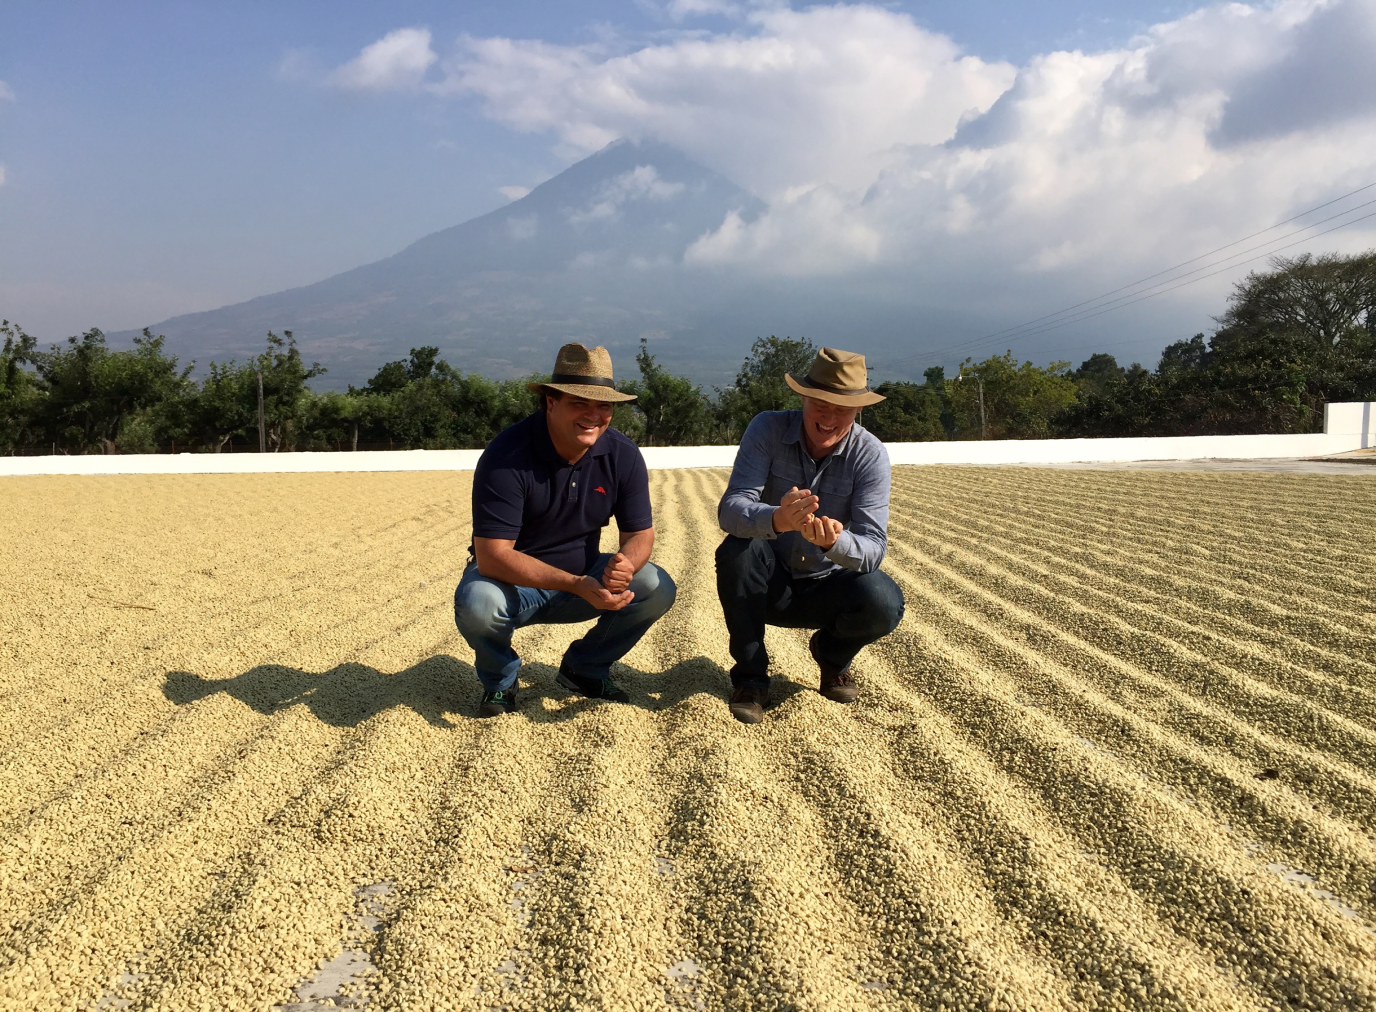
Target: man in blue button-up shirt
x,y
806,513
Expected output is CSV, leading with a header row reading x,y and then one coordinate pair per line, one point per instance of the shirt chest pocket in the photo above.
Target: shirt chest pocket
x,y
783,476
834,495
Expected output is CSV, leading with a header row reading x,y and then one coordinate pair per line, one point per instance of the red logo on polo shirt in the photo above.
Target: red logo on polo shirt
x,y
600,489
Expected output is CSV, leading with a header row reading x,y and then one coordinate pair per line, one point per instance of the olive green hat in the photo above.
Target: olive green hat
x,y
838,377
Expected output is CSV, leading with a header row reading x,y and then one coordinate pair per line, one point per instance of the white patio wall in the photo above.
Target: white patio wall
x,y
1352,419
1346,427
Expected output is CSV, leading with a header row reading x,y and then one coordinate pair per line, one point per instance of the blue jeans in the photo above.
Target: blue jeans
x,y
488,611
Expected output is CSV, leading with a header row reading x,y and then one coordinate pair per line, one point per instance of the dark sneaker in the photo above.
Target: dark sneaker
x,y
747,703
838,686
593,688
495,704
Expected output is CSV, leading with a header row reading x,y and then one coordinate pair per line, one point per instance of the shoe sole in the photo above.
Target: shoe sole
x,y
842,697
493,711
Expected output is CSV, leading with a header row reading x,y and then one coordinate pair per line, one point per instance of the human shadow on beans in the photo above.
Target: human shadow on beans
x,y
440,688
344,696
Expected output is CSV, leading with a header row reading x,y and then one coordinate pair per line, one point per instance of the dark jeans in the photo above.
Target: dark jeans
x,y
852,609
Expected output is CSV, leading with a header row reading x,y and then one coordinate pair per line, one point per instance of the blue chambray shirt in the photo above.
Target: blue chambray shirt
x,y
851,482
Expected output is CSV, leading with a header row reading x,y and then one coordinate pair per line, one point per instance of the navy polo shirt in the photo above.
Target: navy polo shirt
x,y
555,511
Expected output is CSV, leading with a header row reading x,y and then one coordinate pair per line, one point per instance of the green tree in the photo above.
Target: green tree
x,y
1020,401
99,400
910,413
760,382
627,419
935,377
421,414
395,376
424,402
285,394
1097,373
225,406
19,391
1126,407
389,379
331,420
1329,299
1293,338
511,402
674,410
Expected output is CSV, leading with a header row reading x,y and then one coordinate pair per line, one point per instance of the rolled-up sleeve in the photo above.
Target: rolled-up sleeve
x,y
861,546
740,511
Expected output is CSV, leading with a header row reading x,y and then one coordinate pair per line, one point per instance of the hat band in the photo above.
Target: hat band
x,y
586,381
845,391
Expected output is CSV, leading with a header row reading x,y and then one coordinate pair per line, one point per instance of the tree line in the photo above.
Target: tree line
x,y
1291,339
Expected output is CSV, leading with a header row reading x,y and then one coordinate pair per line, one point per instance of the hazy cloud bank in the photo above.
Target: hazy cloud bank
x,y
881,147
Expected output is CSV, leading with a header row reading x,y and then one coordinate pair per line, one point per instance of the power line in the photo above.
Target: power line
x,y
1090,313
1151,295
1159,284
1220,249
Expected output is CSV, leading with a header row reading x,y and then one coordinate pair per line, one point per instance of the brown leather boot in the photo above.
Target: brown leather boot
x,y
747,703
838,686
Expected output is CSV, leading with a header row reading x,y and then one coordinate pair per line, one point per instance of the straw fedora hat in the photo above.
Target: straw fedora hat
x,y
583,372
838,377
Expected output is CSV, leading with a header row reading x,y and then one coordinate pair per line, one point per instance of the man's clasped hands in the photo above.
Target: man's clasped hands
x,y
797,512
610,593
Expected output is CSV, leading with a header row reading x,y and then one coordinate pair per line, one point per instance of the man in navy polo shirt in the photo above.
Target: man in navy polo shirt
x,y
542,492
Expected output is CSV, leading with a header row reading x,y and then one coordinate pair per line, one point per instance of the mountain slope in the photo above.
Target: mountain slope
x,y
590,255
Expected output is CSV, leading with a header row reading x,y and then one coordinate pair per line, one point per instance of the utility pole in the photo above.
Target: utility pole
x,y
983,424
262,420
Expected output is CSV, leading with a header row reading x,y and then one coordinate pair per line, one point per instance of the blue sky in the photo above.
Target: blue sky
x,y
160,158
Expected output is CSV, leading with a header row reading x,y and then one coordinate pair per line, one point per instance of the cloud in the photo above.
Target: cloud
x,y
2,173
513,192
639,184
396,62
807,233
1324,74
1148,142
524,227
880,146
822,95
681,10
886,153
